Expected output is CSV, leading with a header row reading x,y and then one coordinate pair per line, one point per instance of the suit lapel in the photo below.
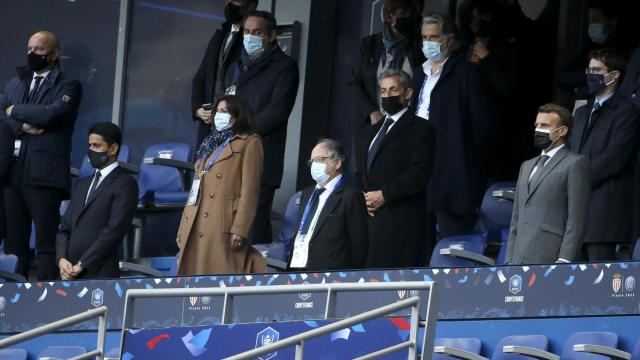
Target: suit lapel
x,y
103,185
446,68
553,162
83,188
403,122
48,83
329,205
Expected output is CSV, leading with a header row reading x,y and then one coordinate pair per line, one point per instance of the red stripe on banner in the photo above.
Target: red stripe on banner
x,y
595,266
456,271
39,284
400,323
532,279
153,342
374,280
61,292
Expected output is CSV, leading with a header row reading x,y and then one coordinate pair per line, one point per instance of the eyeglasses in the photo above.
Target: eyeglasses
x,y
317,159
596,70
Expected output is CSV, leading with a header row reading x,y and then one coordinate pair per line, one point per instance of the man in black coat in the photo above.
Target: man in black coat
x,y
223,49
99,213
606,132
453,96
397,47
268,79
41,106
332,233
7,139
395,161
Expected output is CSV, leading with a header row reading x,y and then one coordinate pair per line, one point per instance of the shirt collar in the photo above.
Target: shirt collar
x,y
603,99
106,171
426,67
235,27
552,151
331,184
44,75
395,117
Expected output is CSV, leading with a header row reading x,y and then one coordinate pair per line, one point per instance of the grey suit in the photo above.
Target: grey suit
x,y
549,214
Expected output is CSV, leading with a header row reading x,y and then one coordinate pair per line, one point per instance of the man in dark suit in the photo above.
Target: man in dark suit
x,y
99,213
552,196
268,79
453,95
332,226
606,132
223,49
7,139
41,106
395,161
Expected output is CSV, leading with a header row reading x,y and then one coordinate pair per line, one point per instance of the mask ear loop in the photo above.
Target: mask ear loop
x,y
612,80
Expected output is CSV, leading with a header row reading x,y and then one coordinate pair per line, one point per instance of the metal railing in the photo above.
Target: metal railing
x,y
100,313
298,340
331,290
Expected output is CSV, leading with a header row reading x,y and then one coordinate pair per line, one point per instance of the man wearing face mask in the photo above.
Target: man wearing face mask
x,y
223,49
41,106
394,163
332,226
453,95
607,134
268,79
99,213
552,196
397,48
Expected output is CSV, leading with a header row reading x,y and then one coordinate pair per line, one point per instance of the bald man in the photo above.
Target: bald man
x,y
40,105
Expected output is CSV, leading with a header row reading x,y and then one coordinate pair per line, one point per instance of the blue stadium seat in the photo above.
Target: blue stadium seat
x,y
636,251
602,338
279,248
13,354
8,264
87,170
164,175
495,211
460,251
160,266
113,353
504,243
62,352
635,355
442,346
538,342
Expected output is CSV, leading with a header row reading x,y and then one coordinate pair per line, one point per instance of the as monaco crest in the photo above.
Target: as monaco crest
x,y
616,283
193,300
266,337
402,293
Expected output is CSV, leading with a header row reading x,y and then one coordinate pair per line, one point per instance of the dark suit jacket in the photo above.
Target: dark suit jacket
x,y
364,84
610,144
91,233
401,169
461,112
204,81
340,239
6,151
44,159
270,86
630,86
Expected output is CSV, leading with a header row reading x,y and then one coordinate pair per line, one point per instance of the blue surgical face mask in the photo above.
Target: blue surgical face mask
x,y
222,121
318,172
431,50
596,33
253,44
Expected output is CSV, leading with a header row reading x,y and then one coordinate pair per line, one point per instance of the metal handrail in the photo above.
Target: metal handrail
x,y
299,339
331,290
100,313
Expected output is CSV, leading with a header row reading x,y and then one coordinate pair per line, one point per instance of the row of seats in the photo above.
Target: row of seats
x,y
53,352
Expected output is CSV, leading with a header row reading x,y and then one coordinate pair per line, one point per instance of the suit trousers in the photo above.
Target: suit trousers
x,y
261,232
24,204
600,251
456,224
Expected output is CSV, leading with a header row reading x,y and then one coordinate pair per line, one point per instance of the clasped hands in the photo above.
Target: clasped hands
x,y
69,271
26,128
374,201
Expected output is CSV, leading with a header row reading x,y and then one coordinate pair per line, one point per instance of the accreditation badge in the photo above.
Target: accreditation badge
x,y
300,252
193,193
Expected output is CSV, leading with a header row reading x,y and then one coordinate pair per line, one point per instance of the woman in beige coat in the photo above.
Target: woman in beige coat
x,y
224,197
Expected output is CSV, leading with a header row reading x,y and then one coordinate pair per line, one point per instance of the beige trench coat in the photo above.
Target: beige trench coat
x,y
226,205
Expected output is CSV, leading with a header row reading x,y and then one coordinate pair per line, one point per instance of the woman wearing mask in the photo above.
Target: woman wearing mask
x,y
224,195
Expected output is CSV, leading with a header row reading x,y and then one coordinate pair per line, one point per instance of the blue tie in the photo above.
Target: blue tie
x,y
315,200
376,143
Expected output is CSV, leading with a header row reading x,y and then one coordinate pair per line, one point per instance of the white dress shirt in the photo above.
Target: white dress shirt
x,y
395,117
322,199
234,29
430,81
550,155
103,174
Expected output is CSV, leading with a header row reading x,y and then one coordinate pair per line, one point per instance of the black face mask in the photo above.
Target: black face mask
x,y
37,62
392,104
98,159
595,83
542,140
407,26
233,13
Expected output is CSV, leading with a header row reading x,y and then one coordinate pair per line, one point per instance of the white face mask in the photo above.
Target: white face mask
x,y
319,172
222,121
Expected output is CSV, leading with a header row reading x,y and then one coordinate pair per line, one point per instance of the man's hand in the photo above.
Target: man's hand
x,y
66,269
375,117
30,129
374,201
480,51
9,111
237,242
77,269
204,115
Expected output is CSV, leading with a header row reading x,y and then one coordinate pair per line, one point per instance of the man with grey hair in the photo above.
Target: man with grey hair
x,y
454,97
332,228
394,164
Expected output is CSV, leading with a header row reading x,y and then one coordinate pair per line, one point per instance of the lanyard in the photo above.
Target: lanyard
x,y
217,154
305,214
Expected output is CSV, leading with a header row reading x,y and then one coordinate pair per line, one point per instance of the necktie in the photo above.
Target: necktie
x,y
315,199
596,107
36,86
376,143
540,165
94,185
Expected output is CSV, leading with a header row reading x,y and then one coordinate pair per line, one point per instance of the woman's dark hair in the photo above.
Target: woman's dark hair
x,y
238,107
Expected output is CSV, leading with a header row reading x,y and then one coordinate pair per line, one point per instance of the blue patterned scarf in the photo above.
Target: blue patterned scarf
x,y
213,141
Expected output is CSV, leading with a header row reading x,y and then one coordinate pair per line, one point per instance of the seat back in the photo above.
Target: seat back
x,y
636,251
8,262
504,243
13,354
495,213
87,170
153,178
289,227
635,355
472,345
62,352
166,264
603,338
533,341
476,243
